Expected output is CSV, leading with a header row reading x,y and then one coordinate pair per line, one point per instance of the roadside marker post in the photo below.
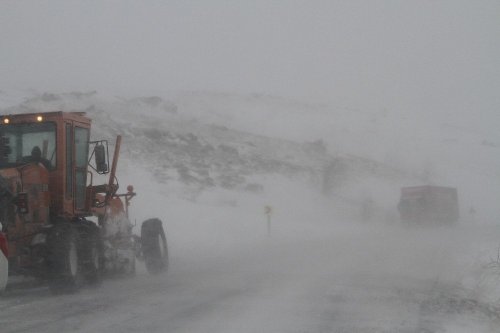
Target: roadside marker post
x,y
268,211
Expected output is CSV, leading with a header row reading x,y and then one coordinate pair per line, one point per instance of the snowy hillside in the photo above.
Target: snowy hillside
x,y
218,148
232,141
208,163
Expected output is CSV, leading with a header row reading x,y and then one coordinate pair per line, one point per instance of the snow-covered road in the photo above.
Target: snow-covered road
x,y
352,280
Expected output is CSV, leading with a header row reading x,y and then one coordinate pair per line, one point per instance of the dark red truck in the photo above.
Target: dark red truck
x,y
429,204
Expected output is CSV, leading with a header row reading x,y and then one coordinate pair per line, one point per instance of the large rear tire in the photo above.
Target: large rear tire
x,y
154,246
93,258
65,263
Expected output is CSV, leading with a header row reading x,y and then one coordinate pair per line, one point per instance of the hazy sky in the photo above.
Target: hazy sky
x,y
436,55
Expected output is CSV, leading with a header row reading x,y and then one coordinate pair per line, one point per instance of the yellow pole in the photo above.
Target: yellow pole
x,y
268,211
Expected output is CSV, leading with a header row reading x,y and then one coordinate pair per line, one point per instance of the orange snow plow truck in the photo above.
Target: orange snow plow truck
x,y
60,227
429,205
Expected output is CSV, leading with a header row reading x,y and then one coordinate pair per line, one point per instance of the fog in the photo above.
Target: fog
x,y
321,110
426,56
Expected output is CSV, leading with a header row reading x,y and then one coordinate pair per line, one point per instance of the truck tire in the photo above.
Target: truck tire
x,y
130,268
127,268
154,246
65,269
93,260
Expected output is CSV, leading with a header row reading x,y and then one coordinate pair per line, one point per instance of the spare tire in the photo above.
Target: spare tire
x,y
154,246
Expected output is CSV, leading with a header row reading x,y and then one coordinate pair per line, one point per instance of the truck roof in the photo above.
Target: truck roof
x,y
412,191
426,187
47,116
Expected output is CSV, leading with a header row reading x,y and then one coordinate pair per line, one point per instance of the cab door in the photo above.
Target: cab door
x,y
77,150
81,143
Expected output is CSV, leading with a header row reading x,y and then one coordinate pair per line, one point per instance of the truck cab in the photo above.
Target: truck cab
x,y
58,141
43,176
432,205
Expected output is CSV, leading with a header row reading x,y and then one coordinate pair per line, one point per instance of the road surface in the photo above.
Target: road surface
x,y
347,280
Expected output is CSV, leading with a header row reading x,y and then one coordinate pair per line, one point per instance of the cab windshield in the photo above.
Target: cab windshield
x,y
33,142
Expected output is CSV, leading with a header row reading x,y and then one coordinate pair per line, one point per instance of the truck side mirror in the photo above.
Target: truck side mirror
x,y
100,159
